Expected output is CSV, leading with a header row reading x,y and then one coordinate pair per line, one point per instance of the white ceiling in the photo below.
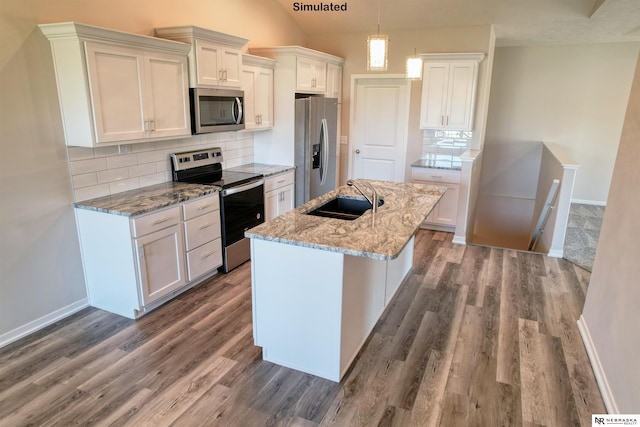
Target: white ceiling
x,y
517,22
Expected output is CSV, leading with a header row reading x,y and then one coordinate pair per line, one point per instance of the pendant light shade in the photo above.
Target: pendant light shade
x,y
377,47
414,67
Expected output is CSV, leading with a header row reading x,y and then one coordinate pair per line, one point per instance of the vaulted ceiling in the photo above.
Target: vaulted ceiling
x,y
517,22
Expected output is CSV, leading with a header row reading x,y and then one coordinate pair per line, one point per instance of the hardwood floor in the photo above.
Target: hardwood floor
x,y
475,337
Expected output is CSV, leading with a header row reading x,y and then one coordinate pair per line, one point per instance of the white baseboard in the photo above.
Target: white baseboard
x,y
589,202
35,325
556,253
459,240
601,378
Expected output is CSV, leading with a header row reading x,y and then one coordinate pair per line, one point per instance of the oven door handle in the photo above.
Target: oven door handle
x,y
234,190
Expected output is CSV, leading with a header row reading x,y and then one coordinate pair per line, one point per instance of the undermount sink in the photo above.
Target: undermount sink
x,y
346,208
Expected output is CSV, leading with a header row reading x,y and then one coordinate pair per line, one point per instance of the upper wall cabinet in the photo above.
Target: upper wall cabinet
x,y
215,59
257,84
449,91
311,69
334,82
116,87
311,75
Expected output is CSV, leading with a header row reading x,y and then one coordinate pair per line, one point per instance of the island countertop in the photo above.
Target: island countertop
x,y
381,236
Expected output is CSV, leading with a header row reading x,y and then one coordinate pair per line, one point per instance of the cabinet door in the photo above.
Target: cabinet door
x,y
264,97
208,69
116,76
447,207
334,82
271,204
287,196
460,100
435,78
231,66
160,263
249,88
167,95
319,80
311,75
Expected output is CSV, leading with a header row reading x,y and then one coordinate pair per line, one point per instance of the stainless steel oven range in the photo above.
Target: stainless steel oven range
x,y
241,199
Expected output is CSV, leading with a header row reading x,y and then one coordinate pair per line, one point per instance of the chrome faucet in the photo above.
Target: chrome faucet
x,y
374,195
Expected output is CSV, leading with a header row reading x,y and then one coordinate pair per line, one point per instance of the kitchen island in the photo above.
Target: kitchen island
x,y
319,285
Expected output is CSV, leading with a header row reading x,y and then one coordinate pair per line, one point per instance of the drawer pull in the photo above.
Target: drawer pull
x,y
203,207
436,176
207,255
160,221
202,227
280,181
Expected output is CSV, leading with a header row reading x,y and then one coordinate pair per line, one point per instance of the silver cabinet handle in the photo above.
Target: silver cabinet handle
x,y
203,207
160,221
202,227
207,255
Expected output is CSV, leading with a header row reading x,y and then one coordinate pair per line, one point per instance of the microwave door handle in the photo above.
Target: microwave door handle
x,y
238,103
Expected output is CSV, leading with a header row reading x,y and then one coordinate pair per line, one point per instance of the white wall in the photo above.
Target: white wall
x,y
611,317
40,267
574,96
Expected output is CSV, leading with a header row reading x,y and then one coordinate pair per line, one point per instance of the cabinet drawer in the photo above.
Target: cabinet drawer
x,y
146,224
201,230
278,181
200,206
435,175
204,259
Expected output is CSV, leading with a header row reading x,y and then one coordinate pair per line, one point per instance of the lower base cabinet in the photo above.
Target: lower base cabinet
x,y
279,194
134,264
444,213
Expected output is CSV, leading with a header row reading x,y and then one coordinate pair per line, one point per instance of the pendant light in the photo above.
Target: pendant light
x,y
414,66
377,47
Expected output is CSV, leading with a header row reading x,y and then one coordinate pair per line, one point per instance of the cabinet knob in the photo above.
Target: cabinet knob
x,y
357,151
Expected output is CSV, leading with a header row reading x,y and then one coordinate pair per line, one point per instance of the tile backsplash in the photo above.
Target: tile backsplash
x,y
101,171
445,142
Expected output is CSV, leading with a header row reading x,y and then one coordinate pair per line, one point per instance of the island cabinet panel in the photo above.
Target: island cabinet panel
x,y
313,309
297,299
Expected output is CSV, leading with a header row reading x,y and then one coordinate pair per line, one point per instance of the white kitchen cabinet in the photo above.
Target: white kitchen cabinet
x,y
334,82
116,87
134,264
202,235
449,91
444,213
217,65
311,75
137,94
257,84
160,263
215,59
279,194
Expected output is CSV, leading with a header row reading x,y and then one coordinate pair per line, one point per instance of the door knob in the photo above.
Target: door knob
x,y
357,151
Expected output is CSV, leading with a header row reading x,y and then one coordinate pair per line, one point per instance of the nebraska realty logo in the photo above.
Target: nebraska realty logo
x,y
319,7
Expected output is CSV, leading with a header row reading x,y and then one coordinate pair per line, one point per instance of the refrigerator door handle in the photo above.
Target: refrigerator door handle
x,y
325,151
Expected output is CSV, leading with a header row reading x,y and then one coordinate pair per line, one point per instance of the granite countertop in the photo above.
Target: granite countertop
x,y
264,169
382,236
147,199
439,161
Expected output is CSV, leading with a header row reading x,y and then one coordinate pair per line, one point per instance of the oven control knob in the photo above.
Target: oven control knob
x,y
258,216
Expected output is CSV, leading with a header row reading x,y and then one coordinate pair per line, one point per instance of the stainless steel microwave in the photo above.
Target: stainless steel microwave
x,y
216,110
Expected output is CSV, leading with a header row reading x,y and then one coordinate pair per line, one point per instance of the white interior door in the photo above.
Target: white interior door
x,y
379,126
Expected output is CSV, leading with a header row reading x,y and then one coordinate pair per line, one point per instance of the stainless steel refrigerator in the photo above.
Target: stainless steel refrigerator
x,y
315,147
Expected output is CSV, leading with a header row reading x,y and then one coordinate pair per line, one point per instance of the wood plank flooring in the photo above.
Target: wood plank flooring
x,y
476,336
